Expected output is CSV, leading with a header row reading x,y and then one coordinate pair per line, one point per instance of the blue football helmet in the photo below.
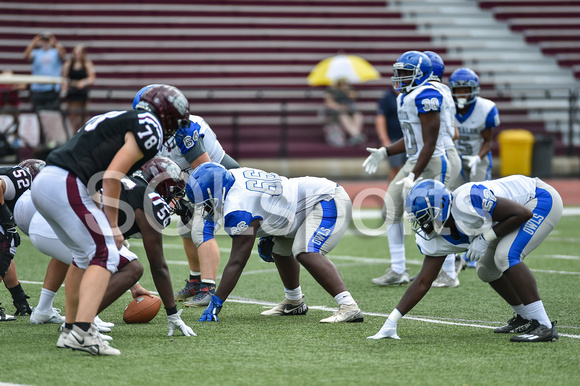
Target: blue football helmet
x,y
413,69
428,206
438,65
464,77
207,188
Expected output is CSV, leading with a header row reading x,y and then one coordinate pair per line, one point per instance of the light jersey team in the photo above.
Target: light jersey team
x,y
306,216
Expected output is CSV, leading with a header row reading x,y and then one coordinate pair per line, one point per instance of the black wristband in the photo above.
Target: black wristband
x,y
387,151
171,310
5,214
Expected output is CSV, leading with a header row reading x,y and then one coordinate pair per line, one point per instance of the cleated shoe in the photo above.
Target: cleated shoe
x,y
288,307
515,325
190,290
103,326
347,313
62,337
392,278
443,280
203,297
537,333
5,317
41,317
89,341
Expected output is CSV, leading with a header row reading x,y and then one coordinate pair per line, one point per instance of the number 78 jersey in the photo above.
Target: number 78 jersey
x,y
280,203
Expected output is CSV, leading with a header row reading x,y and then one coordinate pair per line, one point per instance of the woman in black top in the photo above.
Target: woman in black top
x,y
78,73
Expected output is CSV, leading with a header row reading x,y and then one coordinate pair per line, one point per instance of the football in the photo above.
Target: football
x,y
142,309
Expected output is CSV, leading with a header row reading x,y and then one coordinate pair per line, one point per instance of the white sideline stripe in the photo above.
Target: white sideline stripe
x,y
376,213
564,257
235,299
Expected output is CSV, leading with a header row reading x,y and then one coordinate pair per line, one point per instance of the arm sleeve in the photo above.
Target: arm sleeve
x,y
428,100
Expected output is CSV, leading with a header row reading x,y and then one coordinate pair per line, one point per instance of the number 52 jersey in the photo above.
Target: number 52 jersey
x,y
280,203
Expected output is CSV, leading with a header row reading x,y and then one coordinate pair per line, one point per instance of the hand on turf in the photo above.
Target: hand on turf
x,y
213,309
389,330
374,159
175,322
477,248
11,234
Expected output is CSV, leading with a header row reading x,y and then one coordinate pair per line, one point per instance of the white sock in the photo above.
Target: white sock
x,y
294,294
46,299
395,316
449,266
520,309
536,311
344,298
396,237
194,273
208,281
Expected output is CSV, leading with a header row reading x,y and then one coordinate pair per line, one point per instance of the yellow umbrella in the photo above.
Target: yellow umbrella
x,y
350,67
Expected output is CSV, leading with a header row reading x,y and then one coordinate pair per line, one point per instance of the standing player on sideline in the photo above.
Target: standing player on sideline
x,y
100,154
306,216
189,147
448,277
419,109
498,223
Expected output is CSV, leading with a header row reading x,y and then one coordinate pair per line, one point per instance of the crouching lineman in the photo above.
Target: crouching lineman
x,y
498,223
307,217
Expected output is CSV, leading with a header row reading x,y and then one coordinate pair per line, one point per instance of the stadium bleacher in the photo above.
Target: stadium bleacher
x,y
243,64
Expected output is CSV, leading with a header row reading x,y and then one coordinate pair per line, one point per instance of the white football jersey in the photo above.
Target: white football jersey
x,y
279,202
447,130
482,114
472,210
421,100
197,128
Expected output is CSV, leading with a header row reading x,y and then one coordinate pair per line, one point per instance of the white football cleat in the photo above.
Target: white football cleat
x,y
51,316
103,326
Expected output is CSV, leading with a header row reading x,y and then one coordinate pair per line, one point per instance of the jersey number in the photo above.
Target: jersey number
x,y
410,141
22,179
259,181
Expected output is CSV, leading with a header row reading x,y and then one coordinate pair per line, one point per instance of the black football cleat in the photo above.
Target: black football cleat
x,y
515,325
537,333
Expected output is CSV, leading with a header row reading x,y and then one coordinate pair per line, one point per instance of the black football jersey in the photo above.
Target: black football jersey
x,y
138,195
90,151
20,180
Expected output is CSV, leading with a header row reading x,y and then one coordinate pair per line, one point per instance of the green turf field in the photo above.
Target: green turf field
x,y
447,339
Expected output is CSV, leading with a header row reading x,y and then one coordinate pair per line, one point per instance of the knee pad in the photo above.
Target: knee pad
x,y
487,275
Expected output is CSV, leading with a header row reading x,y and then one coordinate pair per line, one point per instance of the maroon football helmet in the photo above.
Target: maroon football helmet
x,y
32,166
165,176
168,104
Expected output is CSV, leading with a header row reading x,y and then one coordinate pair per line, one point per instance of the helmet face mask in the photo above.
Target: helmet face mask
x,y
207,188
167,103
411,70
32,166
428,207
165,177
464,85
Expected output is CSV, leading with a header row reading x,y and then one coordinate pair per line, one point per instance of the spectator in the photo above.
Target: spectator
x,y
78,74
46,60
9,95
341,109
389,129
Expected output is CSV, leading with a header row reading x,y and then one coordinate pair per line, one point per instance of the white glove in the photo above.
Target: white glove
x,y
389,330
374,159
176,322
479,245
472,161
408,183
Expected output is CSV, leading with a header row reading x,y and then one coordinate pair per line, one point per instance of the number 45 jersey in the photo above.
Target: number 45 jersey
x,y
280,203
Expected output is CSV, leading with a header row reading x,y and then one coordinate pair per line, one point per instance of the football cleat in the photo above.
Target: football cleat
x,y
288,307
347,313
537,333
392,278
443,280
89,341
203,297
51,316
62,337
5,317
515,325
190,290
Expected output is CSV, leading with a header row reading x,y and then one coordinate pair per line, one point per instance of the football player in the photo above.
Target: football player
x,y
498,223
189,147
419,109
14,181
476,117
306,216
106,149
149,213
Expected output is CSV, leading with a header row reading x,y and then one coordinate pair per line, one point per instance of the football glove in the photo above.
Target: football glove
x,y
479,245
408,183
472,161
389,330
213,309
374,159
175,322
265,246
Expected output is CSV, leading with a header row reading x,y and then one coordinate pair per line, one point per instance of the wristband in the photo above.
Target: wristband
x,y
489,235
386,151
171,310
